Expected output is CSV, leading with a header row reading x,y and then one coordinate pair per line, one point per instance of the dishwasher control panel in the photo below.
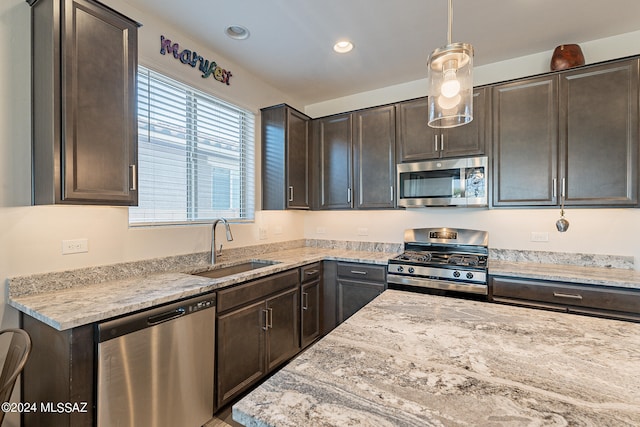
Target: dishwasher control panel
x,y
202,305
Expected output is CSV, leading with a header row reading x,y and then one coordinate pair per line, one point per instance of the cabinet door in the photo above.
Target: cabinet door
x,y
99,115
283,336
415,139
525,129
329,296
374,150
333,139
599,137
240,342
297,160
469,139
311,308
353,295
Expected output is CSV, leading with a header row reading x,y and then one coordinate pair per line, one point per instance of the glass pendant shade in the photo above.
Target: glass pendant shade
x,y
450,79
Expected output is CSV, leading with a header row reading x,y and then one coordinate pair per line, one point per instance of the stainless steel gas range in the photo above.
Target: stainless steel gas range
x,y
447,259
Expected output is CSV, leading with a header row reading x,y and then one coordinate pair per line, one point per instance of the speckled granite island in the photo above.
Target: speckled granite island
x,y
408,359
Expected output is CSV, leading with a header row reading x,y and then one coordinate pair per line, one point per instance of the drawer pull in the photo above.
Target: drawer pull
x,y
569,296
311,272
266,320
270,324
364,273
305,301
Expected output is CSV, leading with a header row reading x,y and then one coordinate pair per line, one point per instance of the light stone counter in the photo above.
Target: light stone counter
x,y
409,359
63,305
602,276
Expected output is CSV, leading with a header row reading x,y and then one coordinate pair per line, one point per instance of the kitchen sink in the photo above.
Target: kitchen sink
x,y
235,269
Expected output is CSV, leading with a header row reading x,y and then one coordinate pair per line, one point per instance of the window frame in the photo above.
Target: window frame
x,y
242,172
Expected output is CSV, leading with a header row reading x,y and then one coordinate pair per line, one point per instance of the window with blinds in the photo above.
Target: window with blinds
x,y
195,155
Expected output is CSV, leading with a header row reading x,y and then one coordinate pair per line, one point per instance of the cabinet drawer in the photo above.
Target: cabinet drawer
x,y
358,271
596,297
238,295
310,272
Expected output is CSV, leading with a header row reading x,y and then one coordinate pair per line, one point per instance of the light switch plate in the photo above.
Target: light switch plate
x,y
75,246
539,236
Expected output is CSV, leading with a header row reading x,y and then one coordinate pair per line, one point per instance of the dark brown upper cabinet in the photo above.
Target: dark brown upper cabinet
x,y
355,154
525,142
333,171
285,158
84,118
374,158
417,141
599,134
571,135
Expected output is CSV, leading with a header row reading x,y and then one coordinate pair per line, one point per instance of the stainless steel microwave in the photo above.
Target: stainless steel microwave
x,y
446,182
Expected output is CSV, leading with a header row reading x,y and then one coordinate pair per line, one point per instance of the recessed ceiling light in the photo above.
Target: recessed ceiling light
x,y
237,32
343,46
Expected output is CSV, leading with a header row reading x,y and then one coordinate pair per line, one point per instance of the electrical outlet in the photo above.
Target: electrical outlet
x,y
262,233
277,229
363,231
321,230
75,246
539,236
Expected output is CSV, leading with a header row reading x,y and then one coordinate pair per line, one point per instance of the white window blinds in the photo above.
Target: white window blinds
x,y
195,155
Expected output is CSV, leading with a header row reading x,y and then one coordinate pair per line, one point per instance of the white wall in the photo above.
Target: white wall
x,y
594,51
601,231
30,236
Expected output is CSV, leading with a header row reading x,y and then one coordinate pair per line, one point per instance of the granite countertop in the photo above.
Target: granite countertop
x,y
74,306
409,359
602,276
74,298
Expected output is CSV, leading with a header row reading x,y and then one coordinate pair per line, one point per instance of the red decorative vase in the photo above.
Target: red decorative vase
x,y
566,56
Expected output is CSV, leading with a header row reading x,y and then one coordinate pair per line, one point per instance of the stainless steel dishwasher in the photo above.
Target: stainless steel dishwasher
x,y
155,367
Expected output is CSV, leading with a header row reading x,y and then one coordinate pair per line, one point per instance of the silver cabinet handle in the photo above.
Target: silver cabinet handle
x,y
391,190
266,320
442,142
348,195
364,273
270,324
569,296
311,272
291,193
436,142
564,188
555,188
305,301
134,177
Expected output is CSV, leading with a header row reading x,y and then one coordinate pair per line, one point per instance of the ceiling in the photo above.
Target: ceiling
x,y
290,43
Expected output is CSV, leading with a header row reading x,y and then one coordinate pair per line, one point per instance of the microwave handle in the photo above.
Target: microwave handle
x,y
463,182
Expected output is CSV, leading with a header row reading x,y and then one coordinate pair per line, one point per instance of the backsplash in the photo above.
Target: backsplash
x,y
47,282
355,245
566,258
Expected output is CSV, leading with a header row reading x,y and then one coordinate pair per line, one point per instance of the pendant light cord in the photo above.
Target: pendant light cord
x,y
450,21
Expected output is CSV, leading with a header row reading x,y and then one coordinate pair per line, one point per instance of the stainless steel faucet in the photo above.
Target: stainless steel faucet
x,y
216,253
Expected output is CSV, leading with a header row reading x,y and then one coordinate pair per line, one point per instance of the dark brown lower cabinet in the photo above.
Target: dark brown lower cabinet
x,y
60,369
603,301
357,284
310,303
257,330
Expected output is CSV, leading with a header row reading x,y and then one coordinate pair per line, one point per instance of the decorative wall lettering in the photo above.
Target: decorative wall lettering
x,y
208,68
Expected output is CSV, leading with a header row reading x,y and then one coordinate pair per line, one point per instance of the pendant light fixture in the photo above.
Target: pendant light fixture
x,y
450,80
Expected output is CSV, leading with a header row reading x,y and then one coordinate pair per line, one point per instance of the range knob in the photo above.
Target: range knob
x,y
411,270
456,274
469,275
400,269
